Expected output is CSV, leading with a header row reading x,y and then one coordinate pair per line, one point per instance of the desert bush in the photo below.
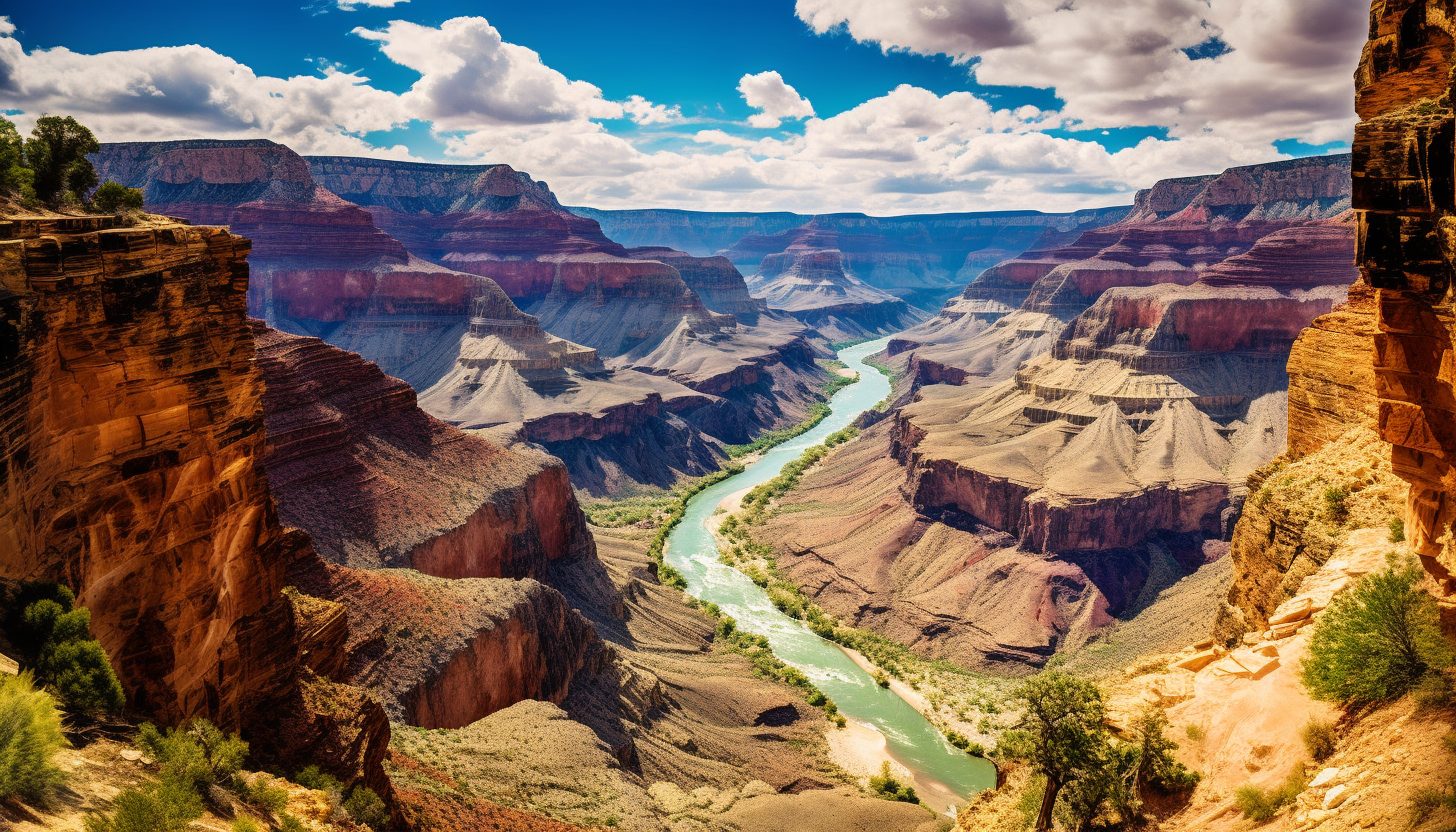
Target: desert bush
x,y
1260,805
1397,529
1378,641
313,778
1195,733
289,823
114,196
67,659
257,791
884,785
169,806
196,754
1319,739
365,807
1155,765
245,825
1434,691
30,735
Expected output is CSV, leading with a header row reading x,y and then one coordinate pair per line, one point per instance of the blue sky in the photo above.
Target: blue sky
x,y
875,104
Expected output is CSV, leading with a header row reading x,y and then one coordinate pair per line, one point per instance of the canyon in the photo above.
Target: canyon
x,y
426,272
1073,432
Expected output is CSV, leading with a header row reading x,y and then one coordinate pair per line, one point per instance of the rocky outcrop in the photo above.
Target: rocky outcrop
x,y
378,482
133,436
1404,170
714,279
816,287
700,233
446,653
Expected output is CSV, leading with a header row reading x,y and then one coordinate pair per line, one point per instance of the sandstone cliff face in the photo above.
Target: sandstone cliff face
x,y
1404,169
378,482
699,233
133,434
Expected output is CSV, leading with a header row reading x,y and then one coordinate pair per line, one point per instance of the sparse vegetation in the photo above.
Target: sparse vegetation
x,y
884,785
675,513
1260,805
30,735
245,825
1319,739
113,196
67,660
56,151
168,806
1397,529
818,412
366,807
1335,508
1378,641
197,754
1195,733
1060,733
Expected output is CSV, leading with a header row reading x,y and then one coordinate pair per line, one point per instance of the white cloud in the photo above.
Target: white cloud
x,y
775,99
909,150
642,111
1123,62
351,5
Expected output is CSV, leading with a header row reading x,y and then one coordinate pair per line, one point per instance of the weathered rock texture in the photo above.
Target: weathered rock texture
x,y
1081,422
378,482
815,286
133,441
1405,166
323,267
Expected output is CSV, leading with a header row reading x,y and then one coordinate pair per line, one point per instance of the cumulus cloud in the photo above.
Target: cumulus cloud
x,y
642,111
1255,70
488,100
775,100
351,5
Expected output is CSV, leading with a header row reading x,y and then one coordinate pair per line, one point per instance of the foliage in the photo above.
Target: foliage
x,y
245,825
114,196
1397,530
15,177
168,806
1260,805
1335,497
1378,641
1156,767
1434,691
313,778
257,791
884,785
196,754
1060,732
1195,733
1319,739
56,151
67,659
881,679
365,807
667,575
289,823
818,412
30,735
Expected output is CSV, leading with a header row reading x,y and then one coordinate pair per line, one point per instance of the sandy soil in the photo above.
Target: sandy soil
x,y
846,372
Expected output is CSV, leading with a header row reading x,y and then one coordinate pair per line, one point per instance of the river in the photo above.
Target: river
x,y
692,550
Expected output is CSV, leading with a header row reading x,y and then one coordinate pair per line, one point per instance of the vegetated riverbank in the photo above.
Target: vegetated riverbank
x,y
818,412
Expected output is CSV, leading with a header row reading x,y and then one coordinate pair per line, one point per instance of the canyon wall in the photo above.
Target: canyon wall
x,y
133,439
1082,420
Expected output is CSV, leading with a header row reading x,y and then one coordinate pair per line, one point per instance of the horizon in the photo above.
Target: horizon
x,y
819,106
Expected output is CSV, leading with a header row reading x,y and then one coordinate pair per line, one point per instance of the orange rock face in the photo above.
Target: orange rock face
x,y
1404,171
133,435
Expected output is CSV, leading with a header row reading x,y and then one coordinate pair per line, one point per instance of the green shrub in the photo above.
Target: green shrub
x,y
169,806
1378,641
1434,691
196,754
113,196
30,735
1260,805
1319,739
257,791
1397,530
365,807
881,679
1195,733
68,660
245,825
313,778
289,823
957,739
884,785
1335,497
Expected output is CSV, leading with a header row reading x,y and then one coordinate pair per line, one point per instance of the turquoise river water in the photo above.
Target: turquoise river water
x,y
691,548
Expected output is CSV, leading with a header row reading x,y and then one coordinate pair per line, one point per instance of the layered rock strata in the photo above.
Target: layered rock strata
x,y
377,482
133,436
815,287
1405,167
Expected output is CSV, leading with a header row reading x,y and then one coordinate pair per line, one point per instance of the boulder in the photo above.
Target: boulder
x,y
1336,796
1295,609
